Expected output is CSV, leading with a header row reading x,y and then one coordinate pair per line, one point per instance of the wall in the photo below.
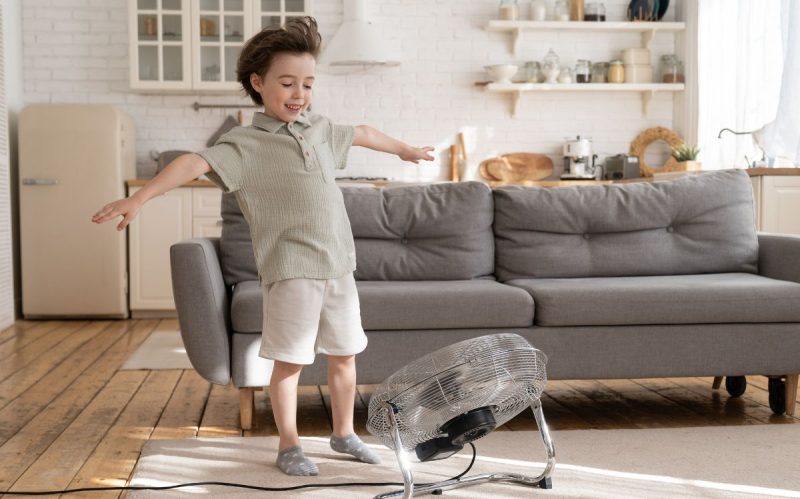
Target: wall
x,y
76,51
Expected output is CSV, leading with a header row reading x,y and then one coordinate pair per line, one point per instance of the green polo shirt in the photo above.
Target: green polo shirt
x,y
282,175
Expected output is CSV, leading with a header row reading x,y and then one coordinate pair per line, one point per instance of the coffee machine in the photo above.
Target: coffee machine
x,y
579,162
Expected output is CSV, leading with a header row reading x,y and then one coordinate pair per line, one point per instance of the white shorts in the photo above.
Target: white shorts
x,y
304,317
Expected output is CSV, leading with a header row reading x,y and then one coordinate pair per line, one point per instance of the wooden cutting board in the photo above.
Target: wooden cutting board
x,y
517,167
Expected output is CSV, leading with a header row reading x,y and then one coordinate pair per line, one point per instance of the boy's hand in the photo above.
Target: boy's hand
x,y
128,208
414,154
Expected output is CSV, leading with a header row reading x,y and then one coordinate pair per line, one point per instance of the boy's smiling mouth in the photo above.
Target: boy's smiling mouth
x,y
294,107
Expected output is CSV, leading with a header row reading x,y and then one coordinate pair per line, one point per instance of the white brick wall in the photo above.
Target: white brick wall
x,y
76,51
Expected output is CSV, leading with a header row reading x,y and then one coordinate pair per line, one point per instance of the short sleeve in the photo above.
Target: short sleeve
x,y
225,159
341,140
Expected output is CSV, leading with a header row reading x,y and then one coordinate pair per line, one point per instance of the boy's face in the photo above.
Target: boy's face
x,y
286,88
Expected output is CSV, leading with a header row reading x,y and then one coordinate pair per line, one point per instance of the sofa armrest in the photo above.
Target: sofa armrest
x,y
779,256
203,305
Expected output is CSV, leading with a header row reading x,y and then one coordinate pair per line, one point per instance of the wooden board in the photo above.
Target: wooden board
x,y
516,167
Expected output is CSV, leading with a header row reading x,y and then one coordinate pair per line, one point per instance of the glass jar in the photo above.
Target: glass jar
x,y
594,11
532,72
616,72
509,10
583,71
550,66
562,10
599,72
671,69
538,10
565,75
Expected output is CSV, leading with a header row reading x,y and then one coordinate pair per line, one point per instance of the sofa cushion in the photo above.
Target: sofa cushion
x,y
698,224
425,232
676,299
236,247
431,232
478,303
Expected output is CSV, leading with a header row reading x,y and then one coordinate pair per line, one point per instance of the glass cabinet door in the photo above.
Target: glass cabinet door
x,y
160,44
221,28
277,12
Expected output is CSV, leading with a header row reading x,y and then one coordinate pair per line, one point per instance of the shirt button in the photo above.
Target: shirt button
x,y
670,229
301,137
306,153
586,236
404,241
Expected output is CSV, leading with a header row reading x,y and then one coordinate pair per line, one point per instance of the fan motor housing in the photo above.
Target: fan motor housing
x,y
460,430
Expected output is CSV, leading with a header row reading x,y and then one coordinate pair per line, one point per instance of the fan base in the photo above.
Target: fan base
x,y
542,481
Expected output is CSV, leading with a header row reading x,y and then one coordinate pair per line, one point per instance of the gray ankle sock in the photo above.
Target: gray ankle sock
x,y
292,461
353,445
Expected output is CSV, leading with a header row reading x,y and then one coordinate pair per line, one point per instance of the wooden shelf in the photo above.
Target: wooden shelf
x,y
647,90
647,29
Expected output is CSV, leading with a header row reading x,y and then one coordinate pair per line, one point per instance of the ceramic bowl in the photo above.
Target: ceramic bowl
x,y
501,73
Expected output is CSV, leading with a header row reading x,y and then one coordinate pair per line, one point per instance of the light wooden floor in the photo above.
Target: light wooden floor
x,y
70,418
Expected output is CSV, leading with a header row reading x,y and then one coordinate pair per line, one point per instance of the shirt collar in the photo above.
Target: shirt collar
x,y
272,125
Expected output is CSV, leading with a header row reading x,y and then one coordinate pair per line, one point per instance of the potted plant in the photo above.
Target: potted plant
x,y
686,156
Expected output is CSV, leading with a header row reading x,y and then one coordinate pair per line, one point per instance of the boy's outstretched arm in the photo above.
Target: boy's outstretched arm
x,y
181,170
366,136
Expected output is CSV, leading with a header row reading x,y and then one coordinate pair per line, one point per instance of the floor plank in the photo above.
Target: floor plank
x,y
27,405
17,329
33,351
24,378
221,417
182,416
14,338
113,460
25,447
56,467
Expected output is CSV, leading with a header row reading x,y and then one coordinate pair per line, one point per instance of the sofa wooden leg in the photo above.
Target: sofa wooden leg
x,y
246,404
791,393
717,382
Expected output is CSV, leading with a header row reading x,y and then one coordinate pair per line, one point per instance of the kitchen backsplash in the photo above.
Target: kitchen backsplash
x,y
77,51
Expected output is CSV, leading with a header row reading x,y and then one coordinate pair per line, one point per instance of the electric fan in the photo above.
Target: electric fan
x,y
448,398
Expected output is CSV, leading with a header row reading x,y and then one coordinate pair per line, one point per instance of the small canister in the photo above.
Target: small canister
x,y
533,72
671,69
600,72
616,72
583,71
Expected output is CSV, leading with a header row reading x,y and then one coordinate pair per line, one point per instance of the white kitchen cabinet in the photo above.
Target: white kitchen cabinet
x,y
180,214
780,204
194,44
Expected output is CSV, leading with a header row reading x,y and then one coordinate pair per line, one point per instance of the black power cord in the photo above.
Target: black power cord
x,y
236,485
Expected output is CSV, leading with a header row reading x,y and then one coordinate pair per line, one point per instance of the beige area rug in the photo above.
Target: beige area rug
x,y
161,350
709,462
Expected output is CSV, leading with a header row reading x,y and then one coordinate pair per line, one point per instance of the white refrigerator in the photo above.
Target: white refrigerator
x,y
73,159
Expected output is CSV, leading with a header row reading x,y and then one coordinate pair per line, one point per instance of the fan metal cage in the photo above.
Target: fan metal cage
x,y
501,371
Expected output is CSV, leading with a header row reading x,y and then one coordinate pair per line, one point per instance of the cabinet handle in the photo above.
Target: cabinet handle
x,y
39,181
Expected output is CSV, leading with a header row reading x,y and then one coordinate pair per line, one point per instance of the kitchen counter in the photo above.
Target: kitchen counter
x,y
753,172
762,172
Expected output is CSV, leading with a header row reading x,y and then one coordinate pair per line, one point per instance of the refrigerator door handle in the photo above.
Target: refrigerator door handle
x,y
39,181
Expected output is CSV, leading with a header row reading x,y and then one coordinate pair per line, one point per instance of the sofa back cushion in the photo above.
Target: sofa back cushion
x,y
698,224
237,259
422,232
425,232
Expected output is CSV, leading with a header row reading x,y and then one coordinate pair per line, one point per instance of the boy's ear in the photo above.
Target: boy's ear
x,y
255,81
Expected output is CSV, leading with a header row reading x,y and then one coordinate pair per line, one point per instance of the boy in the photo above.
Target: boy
x,y
282,171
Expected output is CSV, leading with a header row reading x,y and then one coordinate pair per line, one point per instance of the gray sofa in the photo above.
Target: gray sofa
x,y
649,279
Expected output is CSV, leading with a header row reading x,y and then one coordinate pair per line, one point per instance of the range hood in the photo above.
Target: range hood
x,y
357,42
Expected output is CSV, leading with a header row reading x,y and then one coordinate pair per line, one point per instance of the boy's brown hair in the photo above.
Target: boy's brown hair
x,y
298,35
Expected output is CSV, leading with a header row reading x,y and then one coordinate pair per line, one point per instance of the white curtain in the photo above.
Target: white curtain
x,y
781,137
739,65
